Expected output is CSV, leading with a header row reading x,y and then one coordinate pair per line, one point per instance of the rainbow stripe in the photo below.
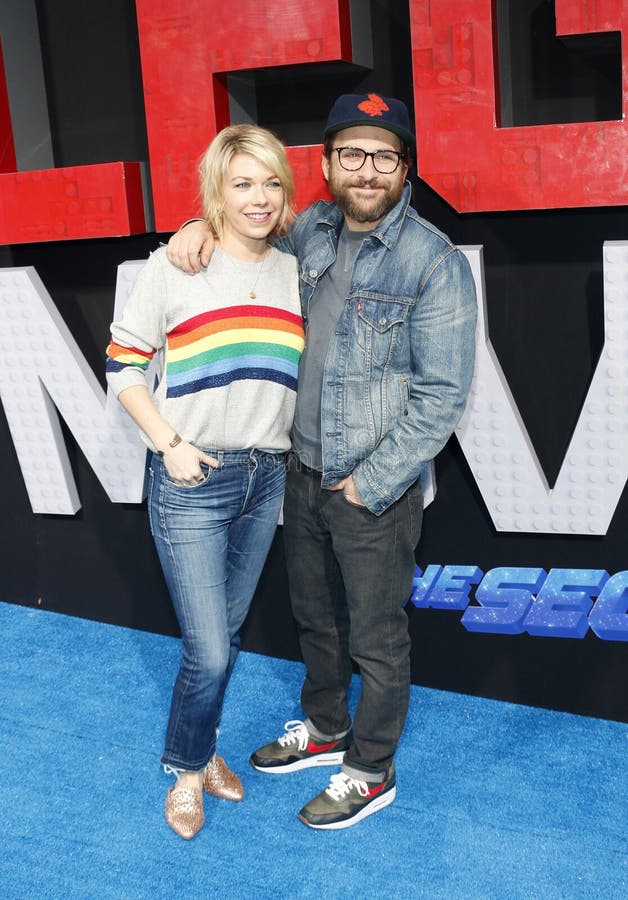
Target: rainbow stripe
x,y
234,344
119,357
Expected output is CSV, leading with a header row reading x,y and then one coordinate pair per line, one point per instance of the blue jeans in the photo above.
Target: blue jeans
x,y
212,540
350,574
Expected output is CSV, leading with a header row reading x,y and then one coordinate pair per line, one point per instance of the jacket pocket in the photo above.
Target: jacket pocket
x,y
378,322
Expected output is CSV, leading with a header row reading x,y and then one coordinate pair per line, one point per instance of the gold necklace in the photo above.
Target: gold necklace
x,y
252,292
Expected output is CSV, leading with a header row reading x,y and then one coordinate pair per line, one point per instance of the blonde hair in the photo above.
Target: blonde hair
x,y
263,146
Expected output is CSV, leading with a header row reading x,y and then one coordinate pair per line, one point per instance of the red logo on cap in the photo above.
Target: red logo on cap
x,y
374,106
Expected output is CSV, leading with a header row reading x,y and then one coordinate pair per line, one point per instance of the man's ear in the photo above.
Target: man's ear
x,y
325,166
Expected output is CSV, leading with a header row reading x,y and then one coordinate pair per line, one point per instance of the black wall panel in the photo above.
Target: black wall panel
x,y
545,299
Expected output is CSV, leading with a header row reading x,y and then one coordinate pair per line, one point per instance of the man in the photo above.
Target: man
x,y
389,306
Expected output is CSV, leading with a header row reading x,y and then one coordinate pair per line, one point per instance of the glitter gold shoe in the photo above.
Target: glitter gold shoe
x,y
184,811
220,781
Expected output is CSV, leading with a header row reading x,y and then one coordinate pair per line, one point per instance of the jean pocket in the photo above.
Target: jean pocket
x,y
206,472
354,505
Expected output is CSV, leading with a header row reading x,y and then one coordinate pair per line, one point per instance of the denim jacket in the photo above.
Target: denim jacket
x,y
400,361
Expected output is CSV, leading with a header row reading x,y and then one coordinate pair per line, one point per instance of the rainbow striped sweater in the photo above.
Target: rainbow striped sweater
x,y
228,364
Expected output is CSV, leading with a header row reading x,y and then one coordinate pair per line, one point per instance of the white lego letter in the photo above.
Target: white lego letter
x,y
499,451
42,367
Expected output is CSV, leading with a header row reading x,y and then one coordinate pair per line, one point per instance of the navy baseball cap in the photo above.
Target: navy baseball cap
x,y
370,109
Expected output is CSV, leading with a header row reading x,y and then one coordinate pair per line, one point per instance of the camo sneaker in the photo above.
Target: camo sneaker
x,y
347,801
298,749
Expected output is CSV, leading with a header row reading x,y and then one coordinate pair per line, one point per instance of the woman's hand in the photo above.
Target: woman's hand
x,y
191,247
183,463
182,459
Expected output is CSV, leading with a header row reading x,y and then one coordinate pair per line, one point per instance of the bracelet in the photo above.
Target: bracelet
x,y
176,440
189,222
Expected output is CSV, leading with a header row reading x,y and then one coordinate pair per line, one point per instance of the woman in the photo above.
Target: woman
x,y
218,424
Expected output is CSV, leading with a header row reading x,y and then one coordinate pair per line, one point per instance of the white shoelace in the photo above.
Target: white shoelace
x,y
341,785
295,731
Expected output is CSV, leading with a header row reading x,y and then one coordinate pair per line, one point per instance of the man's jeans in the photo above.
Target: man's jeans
x,y
212,540
350,574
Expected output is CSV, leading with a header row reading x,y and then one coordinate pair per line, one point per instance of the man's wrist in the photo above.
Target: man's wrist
x,y
189,222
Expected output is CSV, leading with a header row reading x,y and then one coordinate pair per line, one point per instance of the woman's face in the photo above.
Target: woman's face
x,y
252,202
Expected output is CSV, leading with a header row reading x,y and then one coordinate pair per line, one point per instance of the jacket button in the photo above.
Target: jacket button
x,y
313,273
382,321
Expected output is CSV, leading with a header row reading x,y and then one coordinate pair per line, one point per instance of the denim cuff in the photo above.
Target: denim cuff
x,y
321,735
361,775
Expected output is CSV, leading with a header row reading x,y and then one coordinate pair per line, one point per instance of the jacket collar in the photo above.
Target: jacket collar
x,y
387,231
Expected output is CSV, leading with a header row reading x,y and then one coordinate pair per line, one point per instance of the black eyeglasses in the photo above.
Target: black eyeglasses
x,y
384,161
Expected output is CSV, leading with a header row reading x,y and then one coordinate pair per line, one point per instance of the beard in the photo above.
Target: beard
x,y
365,210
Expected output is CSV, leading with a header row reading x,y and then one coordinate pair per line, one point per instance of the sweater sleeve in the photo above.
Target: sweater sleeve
x,y
140,333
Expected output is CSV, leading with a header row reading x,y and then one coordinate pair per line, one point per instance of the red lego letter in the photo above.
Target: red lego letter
x,y
7,147
477,166
188,48
62,204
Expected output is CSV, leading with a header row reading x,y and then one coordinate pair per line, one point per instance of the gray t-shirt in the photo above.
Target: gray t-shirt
x,y
325,308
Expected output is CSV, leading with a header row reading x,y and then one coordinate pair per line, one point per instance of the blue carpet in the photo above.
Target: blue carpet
x,y
494,800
